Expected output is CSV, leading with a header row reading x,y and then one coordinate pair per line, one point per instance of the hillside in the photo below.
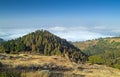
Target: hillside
x,y
45,43
34,65
84,44
102,51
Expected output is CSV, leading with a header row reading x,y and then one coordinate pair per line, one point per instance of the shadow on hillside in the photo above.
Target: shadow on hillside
x,y
8,71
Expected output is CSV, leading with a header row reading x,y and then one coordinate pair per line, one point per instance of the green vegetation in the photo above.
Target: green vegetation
x,y
45,43
10,74
104,51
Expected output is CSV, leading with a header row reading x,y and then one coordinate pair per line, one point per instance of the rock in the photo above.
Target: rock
x,y
20,67
2,57
9,57
33,67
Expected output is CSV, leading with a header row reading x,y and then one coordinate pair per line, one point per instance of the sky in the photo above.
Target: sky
x,y
74,20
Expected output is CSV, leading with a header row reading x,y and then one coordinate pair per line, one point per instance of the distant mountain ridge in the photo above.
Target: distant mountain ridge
x,y
1,40
45,43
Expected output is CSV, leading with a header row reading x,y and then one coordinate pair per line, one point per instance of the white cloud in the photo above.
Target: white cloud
x,y
57,28
13,33
72,33
76,33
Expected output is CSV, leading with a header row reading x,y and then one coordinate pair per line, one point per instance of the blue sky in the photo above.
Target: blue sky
x,y
74,20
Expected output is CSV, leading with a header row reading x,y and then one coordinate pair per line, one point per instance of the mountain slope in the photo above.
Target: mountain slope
x,y
84,44
103,51
45,43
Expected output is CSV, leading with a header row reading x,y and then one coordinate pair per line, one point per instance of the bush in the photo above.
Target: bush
x,y
117,66
96,59
10,74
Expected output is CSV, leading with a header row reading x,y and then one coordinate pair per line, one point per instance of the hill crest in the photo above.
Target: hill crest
x,y
45,43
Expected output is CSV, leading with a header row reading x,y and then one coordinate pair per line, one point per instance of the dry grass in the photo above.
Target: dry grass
x,y
113,39
27,60
85,44
87,70
98,71
36,74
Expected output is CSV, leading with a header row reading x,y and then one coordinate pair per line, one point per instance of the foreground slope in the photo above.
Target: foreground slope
x,y
34,65
45,43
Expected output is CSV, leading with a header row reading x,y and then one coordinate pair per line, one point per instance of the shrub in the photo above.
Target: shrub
x,y
10,74
117,66
96,59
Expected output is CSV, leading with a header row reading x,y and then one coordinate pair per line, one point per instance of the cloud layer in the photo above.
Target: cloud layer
x,y
79,33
